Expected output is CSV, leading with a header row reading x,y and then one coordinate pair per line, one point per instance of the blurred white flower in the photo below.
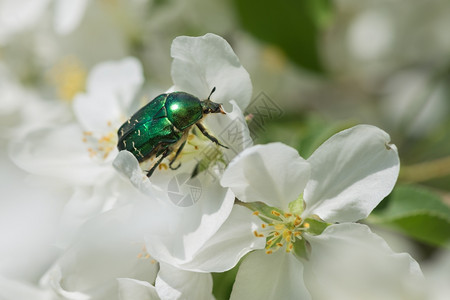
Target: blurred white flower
x,y
79,153
200,63
22,109
109,261
437,275
17,16
342,181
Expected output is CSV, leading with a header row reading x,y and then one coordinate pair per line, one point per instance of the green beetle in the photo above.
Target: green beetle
x,y
162,126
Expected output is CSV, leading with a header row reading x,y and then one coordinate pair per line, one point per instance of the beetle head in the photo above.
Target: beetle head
x,y
210,107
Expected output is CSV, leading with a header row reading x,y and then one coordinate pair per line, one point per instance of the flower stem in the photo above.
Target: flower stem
x,y
426,170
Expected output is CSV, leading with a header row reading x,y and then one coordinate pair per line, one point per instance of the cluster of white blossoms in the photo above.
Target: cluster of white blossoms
x,y
290,221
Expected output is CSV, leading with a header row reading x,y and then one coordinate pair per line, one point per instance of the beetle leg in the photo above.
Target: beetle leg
x,y
176,155
164,155
209,136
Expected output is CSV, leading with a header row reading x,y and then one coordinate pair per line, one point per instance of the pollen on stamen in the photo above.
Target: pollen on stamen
x,y
257,234
279,226
289,247
287,215
297,221
279,244
275,213
163,166
263,225
269,252
306,225
255,213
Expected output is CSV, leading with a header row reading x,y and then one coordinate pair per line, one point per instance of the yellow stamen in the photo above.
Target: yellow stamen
x,y
275,213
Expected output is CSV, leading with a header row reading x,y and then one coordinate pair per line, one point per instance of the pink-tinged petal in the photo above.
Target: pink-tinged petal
x,y
173,283
270,276
274,174
132,289
350,174
351,262
201,63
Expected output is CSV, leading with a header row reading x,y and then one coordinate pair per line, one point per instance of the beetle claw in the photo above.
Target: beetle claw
x,y
174,168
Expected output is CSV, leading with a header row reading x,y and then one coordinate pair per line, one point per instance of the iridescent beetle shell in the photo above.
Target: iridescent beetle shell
x,y
161,126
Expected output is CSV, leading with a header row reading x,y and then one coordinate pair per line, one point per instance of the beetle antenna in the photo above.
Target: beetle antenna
x,y
213,90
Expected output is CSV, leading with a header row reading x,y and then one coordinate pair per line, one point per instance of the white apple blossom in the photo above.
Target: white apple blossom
x,y
109,260
200,63
342,181
79,153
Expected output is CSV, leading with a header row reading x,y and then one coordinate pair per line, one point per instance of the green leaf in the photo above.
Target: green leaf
x,y
417,212
292,25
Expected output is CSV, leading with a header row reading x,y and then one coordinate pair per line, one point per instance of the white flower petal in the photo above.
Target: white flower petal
x,y
231,130
232,241
350,174
88,202
13,290
183,230
111,86
187,229
68,14
270,276
351,262
173,283
18,15
272,173
107,250
201,63
60,154
132,289
53,280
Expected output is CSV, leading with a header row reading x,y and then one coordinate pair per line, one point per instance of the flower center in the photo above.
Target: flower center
x,y
145,255
100,147
207,155
69,77
281,230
